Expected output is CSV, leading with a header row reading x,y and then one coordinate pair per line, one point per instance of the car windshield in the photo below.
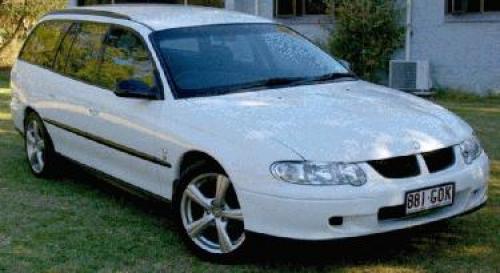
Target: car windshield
x,y
224,59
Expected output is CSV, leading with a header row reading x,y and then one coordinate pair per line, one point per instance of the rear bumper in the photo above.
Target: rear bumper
x,y
309,219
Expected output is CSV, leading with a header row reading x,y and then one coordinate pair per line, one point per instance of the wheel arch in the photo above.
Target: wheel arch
x,y
191,159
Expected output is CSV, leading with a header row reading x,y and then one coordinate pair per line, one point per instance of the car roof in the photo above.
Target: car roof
x,y
164,16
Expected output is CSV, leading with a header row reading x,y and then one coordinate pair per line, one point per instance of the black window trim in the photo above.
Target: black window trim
x,y
158,81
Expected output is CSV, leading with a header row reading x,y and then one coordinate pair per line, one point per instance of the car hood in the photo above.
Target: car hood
x,y
348,121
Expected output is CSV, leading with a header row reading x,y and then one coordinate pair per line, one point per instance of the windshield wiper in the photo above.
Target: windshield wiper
x,y
334,76
279,82
272,82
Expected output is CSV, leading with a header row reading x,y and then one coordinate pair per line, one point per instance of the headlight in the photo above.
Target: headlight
x,y
315,173
471,149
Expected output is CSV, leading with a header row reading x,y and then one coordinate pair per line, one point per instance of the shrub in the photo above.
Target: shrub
x,y
366,34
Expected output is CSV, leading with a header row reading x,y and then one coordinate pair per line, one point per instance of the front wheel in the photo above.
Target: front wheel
x,y
209,214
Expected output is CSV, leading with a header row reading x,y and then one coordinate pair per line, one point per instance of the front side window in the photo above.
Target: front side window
x,y
85,52
222,59
125,57
42,45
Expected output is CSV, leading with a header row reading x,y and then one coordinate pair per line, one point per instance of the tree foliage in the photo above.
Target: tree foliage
x,y
19,16
366,34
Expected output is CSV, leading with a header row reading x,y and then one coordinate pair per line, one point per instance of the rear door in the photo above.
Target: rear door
x,y
75,92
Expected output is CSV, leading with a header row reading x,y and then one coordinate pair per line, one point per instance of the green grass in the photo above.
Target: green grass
x,y
80,224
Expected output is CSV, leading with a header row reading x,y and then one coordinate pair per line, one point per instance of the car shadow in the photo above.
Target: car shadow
x,y
117,190
362,250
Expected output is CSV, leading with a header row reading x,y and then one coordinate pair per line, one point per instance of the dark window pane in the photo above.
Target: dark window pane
x,y
42,45
285,7
84,56
316,6
299,7
211,3
458,5
473,5
65,48
125,58
491,5
449,6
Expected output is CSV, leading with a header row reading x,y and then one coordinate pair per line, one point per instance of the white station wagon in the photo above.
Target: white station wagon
x,y
245,125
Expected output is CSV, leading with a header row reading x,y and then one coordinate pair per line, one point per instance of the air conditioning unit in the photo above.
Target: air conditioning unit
x,y
410,76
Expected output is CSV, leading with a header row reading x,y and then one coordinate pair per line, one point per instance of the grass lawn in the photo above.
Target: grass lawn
x,y
81,224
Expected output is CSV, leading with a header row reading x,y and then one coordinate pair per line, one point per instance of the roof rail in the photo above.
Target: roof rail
x,y
91,12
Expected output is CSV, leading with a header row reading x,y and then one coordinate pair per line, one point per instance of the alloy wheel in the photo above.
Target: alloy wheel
x,y
211,214
35,146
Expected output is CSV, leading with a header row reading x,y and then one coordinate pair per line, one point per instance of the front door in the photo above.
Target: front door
x,y
131,126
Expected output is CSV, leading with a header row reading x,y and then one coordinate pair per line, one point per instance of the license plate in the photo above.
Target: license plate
x,y
429,198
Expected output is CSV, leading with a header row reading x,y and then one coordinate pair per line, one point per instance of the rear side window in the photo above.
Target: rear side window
x,y
85,51
125,57
43,43
65,48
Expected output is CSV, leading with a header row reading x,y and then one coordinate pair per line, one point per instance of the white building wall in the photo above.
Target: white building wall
x,y
464,51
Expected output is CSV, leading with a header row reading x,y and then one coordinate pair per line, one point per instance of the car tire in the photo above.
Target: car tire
x,y
39,148
208,214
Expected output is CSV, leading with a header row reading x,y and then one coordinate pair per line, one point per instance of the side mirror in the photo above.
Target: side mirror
x,y
345,63
135,89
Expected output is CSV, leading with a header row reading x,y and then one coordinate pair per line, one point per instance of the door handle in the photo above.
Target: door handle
x,y
93,112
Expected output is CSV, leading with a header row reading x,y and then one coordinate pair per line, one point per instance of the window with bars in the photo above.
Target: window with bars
x,y
472,6
288,8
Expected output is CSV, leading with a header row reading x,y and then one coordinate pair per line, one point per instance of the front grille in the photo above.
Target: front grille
x,y
439,160
397,167
408,166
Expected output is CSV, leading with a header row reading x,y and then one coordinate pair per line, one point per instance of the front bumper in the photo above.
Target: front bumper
x,y
309,218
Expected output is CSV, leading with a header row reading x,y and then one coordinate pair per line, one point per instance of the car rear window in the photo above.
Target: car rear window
x,y
42,45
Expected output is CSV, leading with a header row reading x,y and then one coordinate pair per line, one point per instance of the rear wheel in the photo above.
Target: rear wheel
x,y
209,214
38,145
